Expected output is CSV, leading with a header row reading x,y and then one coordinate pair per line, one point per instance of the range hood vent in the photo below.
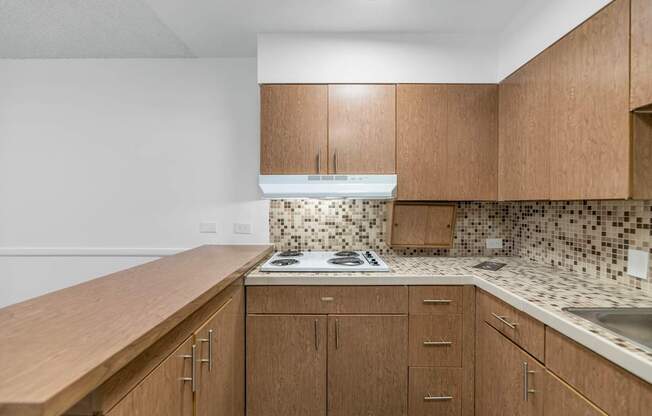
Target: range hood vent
x,y
328,186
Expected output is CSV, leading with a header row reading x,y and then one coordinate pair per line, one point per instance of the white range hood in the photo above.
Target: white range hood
x,y
328,186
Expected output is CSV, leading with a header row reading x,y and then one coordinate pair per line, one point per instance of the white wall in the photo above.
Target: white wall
x,y
538,25
125,156
368,58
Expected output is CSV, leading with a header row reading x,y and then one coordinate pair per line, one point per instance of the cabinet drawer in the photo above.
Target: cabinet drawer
x,y
327,299
521,328
435,340
435,391
426,300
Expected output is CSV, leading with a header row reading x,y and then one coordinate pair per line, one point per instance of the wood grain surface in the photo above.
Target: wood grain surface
x,y
293,129
425,382
435,328
95,328
641,44
561,399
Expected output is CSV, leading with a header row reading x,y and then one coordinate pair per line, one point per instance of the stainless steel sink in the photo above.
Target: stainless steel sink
x,y
634,324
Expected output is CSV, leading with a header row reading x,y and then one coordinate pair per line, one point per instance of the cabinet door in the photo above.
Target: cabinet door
x,y
220,346
509,381
641,82
421,141
361,129
472,142
286,365
162,392
367,365
524,132
560,399
415,225
293,129
590,156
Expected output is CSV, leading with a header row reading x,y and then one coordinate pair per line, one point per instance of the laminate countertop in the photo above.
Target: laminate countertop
x,y
536,289
57,348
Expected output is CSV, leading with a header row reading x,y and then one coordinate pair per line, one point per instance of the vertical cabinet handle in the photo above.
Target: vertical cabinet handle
x,y
319,161
316,339
337,334
526,388
208,340
193,368
335,161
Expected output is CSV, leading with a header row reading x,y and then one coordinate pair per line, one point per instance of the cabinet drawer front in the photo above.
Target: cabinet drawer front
x,y
613,389
435,391
435,340
518,326
426,300
327,299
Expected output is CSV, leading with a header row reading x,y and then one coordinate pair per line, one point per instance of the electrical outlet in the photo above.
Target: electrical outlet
x,y
207,227
494,242
638,263
241,228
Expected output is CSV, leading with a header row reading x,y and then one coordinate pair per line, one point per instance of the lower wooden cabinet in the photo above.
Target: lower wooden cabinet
x,y
286,365
561,399
508,380
167,391
367,365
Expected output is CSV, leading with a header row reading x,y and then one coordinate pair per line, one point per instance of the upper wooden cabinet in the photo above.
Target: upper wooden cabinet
x,y
641,44
589,102
362,129
524,148
449,135
293,129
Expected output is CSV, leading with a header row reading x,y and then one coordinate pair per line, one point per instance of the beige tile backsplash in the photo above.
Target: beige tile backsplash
x,y
585,236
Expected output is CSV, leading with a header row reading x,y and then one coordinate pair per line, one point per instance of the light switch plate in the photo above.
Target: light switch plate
x,y
638,263
241,228
207,227
494,243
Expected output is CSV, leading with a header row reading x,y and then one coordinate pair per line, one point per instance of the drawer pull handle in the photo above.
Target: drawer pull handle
x,y
327,298
430,398
504,320
437,343
437,301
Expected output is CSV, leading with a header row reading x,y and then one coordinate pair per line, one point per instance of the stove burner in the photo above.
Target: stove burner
x,y
290,253
284,262
347,254
346,261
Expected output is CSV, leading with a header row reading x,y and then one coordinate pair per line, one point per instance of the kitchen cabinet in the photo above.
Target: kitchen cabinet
x,y
293,129
367,365
524,132
448,134
362,129
220,351
435,391
641,51
413,224
560,399
508,380
167,391
286,362
589,101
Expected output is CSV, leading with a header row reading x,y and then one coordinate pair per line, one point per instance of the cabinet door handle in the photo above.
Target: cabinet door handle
x,y
437,301
319,161
504,320
193,368
337,334
437,343
208,340
316,339
526,388
431,398
335,161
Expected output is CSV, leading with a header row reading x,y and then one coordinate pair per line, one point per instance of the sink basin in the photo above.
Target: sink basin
x,y
634,324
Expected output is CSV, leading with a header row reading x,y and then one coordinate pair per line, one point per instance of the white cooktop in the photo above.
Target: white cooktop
x,y
325,261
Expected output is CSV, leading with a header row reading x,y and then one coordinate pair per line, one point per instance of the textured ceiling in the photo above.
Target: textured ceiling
x,y
213,28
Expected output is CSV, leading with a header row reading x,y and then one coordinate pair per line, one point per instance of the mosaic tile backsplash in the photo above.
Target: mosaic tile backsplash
x,y
585,236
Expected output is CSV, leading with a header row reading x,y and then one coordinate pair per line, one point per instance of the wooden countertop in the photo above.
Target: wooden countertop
x,y
57,348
